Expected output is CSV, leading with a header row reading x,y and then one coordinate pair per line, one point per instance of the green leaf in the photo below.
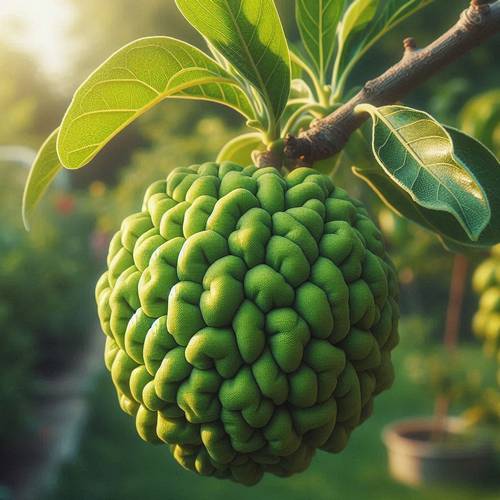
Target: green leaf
x,y
240,149
317,21
250,36
364,166
133,80
480,118
43,171
444,225
363,24
418,154
486,169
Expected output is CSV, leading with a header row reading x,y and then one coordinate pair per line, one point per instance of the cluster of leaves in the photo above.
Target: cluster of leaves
x,y
434,175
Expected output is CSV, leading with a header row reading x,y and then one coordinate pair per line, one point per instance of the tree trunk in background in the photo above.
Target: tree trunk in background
x,y
452,328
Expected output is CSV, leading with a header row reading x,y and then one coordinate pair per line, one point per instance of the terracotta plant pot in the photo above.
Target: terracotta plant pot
x,y
424,451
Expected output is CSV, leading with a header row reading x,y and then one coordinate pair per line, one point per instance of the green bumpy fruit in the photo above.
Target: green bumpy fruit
x,y
249,318
486,322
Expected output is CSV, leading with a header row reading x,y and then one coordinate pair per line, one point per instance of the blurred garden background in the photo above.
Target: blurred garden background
x,y
62,434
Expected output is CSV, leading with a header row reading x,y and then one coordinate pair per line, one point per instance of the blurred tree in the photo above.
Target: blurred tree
x,y
118,22
30,109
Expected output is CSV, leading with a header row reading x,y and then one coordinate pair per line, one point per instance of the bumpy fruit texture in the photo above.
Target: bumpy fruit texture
x,y
486,322
249,318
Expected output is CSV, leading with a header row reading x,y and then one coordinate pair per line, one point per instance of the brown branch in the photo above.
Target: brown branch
x,y
329,135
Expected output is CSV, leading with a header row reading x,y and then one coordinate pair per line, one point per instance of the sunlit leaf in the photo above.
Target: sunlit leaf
x,y
240,149
419,155
443,224
486,169
43,171
317,21
362,25
250,36
133,80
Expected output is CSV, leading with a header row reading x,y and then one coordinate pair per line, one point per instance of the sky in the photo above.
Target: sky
x,y
40,28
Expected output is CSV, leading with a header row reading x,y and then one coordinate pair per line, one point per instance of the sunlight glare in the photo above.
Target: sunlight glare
x,y
39,27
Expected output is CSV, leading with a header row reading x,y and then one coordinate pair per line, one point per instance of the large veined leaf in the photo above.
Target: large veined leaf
x,y
365,22
132,81
444,225
317,21
240,149
364,166
43,171
250,36
419,155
